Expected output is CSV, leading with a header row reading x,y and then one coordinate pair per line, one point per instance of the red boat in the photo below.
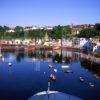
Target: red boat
x,y
29,49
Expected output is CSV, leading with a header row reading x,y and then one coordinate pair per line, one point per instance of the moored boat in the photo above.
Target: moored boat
x,y
81,79
28,49
52,77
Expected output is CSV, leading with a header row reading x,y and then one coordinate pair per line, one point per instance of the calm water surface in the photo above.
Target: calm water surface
x,y
29,74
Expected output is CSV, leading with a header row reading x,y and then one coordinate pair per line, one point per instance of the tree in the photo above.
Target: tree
x,y
18,29
1,32
6,28
97,26
57,32
66,31
87,33
1,29
19,32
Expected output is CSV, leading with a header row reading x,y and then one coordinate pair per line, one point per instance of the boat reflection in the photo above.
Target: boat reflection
x,y
66,57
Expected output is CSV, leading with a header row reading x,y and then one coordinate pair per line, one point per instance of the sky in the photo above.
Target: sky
x,y
49,12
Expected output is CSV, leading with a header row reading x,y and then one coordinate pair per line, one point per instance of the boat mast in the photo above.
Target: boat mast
x,y
48,90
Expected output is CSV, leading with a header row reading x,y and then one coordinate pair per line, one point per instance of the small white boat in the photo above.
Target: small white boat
x,y
65,66
81,79
50,66
9,64
91,84
55,70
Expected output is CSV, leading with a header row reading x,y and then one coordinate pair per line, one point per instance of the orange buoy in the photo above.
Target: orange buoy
x,y
52,77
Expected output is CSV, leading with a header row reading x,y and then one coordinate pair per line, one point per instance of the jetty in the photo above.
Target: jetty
x,y
91,58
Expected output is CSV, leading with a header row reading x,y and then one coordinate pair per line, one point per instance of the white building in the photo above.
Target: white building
x,y
48,28
11,30
26,42
17,42
37,27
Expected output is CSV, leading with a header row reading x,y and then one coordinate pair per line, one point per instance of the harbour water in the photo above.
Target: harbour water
x,y
29,74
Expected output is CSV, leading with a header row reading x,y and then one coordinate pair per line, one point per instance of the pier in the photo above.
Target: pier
x,y
91,58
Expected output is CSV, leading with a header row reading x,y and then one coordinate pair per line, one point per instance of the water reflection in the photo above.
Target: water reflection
x,y
92,67
19,56
29,73
59,56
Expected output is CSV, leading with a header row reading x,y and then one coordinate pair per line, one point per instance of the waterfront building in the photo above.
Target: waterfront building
x,y
10,31
26,41
46,38
17,42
